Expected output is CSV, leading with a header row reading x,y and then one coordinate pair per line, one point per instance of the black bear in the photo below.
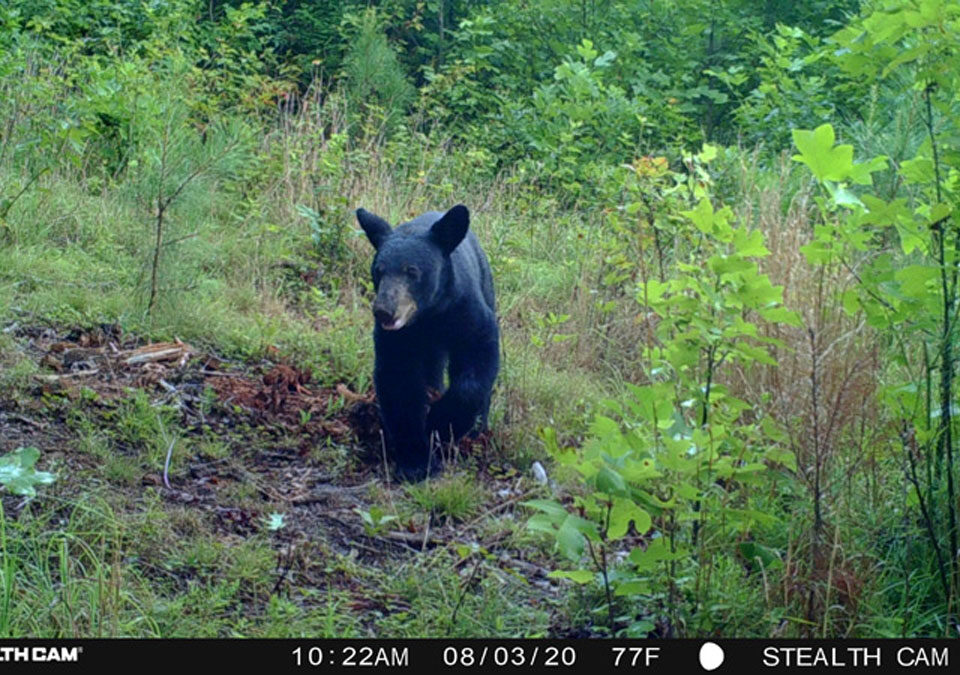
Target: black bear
x,y
434,311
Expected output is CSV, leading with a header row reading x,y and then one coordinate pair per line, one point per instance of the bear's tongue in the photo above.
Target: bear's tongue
x,y
396,324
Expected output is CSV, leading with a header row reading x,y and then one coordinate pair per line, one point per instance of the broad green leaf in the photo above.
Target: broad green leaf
x,y
656,551
843,197
750,515
781,315
586,51
708,154
907,55
548,506
543,523
636,587
640,470
918,170
818,252
851,301
610,482
768,558
701,216
623,511
938,212
19,476
652,292
605,59
576,576
752,353
860,173
818,152
749,244
570,539
913,499
772,430
917,280
604,426
910,237
781,456
882,213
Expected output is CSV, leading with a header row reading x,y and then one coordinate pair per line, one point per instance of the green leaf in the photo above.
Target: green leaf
x,y
781,315
781,456
818,152
609,482
701,216
917,281
860,173
910,237
19,476
632,588
938,212
918,170
913,499
548,506
708,154
687,491
543,523
851,301
906,56
750,516
656,551
275,521
759,354
767,557
749,244
586,51
570,538
625,510
882,213
773,431
818,252
576,576
605,59
842,196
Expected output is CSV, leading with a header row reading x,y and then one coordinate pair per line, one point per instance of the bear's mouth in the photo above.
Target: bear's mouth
x,y
401,317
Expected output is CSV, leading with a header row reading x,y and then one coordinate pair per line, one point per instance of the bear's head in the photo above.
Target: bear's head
x,y
412,263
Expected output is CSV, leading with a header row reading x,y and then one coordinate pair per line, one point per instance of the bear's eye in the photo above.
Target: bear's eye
x,y
413,272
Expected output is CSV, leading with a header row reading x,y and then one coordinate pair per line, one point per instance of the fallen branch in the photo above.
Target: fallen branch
x,y
57,378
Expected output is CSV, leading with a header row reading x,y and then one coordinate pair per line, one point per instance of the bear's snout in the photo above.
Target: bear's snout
x,y
394,306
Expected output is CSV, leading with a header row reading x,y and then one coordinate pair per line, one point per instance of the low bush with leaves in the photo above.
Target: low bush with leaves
x,y
678,466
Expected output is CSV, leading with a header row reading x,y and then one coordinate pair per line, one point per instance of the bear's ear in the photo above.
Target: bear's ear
x,y
377,228
449,231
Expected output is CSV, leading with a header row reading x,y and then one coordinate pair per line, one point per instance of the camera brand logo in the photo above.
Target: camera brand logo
x,y
40,654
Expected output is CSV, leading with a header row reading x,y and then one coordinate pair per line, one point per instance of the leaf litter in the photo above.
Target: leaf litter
x,y
272,416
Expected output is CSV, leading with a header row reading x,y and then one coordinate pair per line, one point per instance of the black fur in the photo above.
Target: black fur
x,y
432,263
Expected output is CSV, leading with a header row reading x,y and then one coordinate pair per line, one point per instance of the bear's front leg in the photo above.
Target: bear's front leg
x,y
467,401
402,396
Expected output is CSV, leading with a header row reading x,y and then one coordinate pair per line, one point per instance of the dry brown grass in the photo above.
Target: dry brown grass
x,y
823,392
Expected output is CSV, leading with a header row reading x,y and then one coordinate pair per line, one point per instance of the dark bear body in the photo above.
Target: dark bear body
x,y
435,312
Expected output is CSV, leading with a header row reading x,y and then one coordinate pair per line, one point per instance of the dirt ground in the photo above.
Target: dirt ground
x,y
310,452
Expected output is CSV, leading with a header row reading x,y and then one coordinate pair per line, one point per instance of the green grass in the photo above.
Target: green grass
x,y
451,496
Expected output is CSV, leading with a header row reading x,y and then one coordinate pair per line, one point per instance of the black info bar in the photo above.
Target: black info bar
x,y
432,655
